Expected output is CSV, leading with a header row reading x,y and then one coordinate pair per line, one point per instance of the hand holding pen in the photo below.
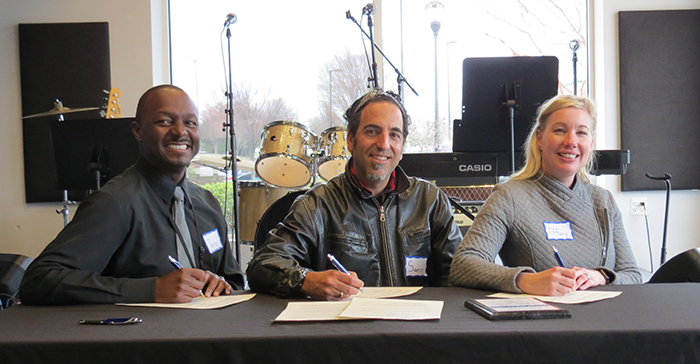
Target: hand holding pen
x,y
332,284
185,284
556,281
339,266
584,278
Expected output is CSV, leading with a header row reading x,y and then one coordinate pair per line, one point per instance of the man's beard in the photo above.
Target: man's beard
x,y
374,177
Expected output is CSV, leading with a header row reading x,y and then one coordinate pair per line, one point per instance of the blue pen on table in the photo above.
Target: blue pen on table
x,y
558,257
177,265
339,266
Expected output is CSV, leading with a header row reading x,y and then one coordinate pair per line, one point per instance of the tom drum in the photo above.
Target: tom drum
x,y
333,147
285,156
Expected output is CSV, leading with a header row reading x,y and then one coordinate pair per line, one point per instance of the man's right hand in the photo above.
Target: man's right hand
x,y
331,285
182,285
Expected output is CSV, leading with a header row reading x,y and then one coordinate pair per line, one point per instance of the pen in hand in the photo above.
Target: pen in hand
x,y
558,257
339,266
174,262
177,265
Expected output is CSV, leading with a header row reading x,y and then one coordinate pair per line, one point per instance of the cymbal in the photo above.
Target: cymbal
x,y
220,161
60,110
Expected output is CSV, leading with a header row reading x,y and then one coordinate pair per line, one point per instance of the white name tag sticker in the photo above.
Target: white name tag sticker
x,y
558,230
416,266
213,241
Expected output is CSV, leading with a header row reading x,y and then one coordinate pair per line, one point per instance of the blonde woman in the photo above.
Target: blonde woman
x,y
549,203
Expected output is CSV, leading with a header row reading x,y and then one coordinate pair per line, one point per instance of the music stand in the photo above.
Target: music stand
x,y
500,97
90,152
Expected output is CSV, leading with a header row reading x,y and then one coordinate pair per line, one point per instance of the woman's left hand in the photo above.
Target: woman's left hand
x,y
586,278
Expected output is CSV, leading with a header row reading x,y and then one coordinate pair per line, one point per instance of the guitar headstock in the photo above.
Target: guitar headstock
x,y
113,109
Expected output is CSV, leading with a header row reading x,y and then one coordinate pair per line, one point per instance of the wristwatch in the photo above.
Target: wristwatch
x,y
296,279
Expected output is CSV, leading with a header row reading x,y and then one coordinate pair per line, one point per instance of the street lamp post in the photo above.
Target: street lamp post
x,y
196,81
330,95
435,9
449,103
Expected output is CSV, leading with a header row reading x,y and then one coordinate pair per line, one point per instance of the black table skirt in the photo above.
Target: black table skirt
x,y
646,324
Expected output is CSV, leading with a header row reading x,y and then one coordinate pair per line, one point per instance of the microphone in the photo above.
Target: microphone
x,y
574,44
369,9
231,18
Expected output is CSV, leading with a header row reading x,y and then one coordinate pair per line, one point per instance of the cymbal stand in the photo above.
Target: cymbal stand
x,y
316,156
65,211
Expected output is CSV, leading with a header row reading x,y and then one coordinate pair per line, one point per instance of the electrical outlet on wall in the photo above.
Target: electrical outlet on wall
x,y
638,206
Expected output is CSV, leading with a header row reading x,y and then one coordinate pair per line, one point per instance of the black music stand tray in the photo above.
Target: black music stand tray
x,y
90,152
500,97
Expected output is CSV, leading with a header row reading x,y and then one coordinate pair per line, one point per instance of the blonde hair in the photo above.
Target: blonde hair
x,y
533,155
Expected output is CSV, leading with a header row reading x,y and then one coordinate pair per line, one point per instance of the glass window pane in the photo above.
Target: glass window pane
x,y
475,28
291,60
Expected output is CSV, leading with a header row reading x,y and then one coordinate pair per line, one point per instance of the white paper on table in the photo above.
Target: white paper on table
x,y
373,308
313,311
571,298
199,303
386,292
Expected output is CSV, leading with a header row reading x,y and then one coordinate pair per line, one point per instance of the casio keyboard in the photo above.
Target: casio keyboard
x,y
473,169
468,178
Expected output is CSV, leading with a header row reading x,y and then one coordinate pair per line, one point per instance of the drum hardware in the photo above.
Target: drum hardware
x,y
59,110
65,212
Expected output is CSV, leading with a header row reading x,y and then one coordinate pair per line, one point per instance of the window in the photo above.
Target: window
x,y
291,60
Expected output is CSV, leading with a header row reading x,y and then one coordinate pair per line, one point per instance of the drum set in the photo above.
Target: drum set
x,y
289,157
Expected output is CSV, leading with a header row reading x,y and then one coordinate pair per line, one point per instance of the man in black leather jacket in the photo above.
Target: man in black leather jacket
x,y
386,228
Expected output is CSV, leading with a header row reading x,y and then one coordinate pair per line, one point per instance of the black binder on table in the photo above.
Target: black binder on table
x,y
497,309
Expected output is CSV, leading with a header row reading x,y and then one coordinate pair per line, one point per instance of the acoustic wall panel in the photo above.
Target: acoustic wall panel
x,y
64,61
659,93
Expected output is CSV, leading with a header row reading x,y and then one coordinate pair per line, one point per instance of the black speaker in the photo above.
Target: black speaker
x,y
684,267
12,268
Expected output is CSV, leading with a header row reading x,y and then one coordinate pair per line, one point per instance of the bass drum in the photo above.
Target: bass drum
x,y
286,154
333,147
255,198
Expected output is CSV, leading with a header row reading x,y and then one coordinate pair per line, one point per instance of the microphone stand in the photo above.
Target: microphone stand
x,y
511,104
667,179
400,79
374,78
575,60
234,168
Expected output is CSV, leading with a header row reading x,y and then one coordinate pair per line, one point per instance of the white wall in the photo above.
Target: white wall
x,y
27,228
684,212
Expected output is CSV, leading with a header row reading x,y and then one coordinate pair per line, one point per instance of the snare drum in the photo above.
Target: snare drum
x,y
286,154
333,147
255,198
